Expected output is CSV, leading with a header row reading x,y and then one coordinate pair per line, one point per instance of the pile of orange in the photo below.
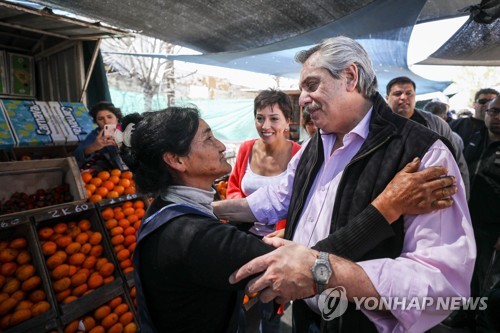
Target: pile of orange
x,y
113,317
108,184
123,222
21,292
74,256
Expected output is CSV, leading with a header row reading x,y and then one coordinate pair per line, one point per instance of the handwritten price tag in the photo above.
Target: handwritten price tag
x,y
11,222
60,212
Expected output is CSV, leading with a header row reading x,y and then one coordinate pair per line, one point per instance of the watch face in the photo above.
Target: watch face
x,y
322,273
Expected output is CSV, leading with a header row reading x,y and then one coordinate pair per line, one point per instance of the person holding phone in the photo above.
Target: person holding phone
x,y
99,150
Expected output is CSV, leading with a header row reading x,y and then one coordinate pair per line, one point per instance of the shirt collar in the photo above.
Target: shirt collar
x,y
361,129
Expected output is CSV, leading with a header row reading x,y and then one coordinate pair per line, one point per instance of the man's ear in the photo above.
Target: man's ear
x,y
175,161
351,77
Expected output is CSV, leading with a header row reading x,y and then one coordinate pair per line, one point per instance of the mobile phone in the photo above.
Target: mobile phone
x,y
109,129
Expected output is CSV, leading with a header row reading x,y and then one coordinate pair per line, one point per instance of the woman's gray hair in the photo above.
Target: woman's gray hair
x,y
336,54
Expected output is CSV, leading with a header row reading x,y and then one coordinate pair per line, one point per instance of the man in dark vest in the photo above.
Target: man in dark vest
x,y
332,188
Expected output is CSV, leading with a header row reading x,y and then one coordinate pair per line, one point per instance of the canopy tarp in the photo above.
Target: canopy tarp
x,y
236,25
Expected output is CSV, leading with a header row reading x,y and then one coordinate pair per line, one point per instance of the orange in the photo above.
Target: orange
x,y
82,238
96,238
85,249
86,177
115,302
89,194
102,312
112,194
119,214
120,309
124,182
96,181
110,320
124,223
108,213
129,231
95,281
88,323
84,225
109,185
119,247
133,218
116,172
77,259
119,189
96,250
95,198
127,204
49,248
104,175
130,328
126,318
116,328
140,212
123,254
90,187
116,231
102,191
129,190
127,175
98,329
60,228
128,270
107,269
45,232
118,239
139,204
128,211
130,239
111,223
114,179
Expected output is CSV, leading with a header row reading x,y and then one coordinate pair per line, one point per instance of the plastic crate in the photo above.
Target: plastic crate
x,y
46,321
83,303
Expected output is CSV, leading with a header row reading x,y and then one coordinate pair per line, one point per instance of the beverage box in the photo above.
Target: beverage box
x,y
29,176
21,74
32,123
74,119
7,140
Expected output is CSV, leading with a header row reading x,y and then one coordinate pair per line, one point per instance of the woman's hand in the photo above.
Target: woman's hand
x,y
412,192
278,234
100,142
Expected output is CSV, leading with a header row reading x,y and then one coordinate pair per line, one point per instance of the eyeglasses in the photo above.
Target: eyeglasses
x,y
484,100
493,112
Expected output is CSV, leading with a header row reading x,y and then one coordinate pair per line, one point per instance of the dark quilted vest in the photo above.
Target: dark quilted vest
x,y
392,142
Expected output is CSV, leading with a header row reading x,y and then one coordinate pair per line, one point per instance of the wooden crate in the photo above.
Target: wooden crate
x,y
29,176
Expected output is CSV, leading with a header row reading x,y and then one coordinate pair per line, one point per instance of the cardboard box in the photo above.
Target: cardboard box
x,y
21,75
32,123
6,136
29,176
74,119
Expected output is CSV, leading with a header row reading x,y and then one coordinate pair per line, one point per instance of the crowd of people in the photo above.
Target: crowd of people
x,y
380,200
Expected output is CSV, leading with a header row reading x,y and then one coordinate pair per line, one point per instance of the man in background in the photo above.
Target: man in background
x,y
467,127
400,96
440,109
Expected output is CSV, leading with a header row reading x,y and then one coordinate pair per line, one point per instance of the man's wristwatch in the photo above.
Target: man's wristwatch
x,y
321,271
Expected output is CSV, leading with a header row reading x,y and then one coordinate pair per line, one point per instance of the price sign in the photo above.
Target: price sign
x,y
61,212
118,200
9,223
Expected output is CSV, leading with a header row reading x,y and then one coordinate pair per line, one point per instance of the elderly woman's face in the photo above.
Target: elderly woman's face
x,y
105,117
206,159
